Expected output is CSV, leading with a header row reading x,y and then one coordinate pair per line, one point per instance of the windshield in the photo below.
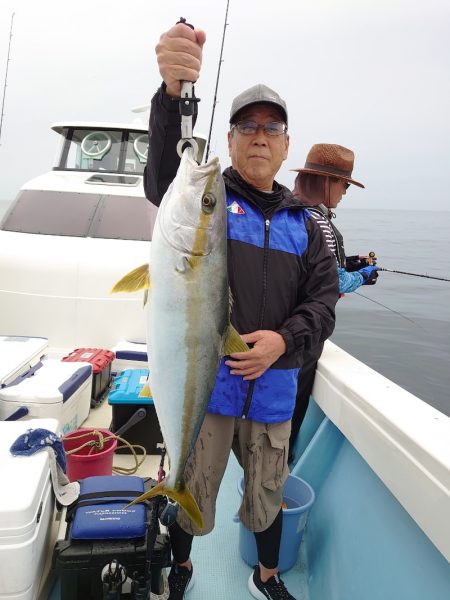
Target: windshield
x,y
81,215
109,150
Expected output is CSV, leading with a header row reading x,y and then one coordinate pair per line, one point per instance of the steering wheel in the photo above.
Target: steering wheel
x,y
141,147
96,144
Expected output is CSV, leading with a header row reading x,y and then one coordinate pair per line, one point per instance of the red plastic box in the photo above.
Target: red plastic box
x,y
100,360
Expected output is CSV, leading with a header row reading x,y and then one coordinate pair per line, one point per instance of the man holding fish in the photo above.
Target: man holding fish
x,y
283,290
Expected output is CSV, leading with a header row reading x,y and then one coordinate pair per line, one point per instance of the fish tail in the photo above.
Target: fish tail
x,y
181,495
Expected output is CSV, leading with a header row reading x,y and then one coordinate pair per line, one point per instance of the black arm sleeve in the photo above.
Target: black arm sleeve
x,y
164,131
314,318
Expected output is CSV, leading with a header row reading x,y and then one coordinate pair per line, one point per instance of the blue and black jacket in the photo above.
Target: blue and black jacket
x,y
281,273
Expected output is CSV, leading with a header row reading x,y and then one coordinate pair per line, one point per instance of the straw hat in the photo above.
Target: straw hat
x,y
330,159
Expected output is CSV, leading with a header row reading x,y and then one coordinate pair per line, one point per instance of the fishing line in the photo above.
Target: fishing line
x,y
217,85
390,309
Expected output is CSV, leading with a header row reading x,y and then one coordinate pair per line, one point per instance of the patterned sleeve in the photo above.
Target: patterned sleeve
x,y
349,282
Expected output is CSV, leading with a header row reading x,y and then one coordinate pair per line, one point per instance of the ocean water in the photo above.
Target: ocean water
x,y
400,326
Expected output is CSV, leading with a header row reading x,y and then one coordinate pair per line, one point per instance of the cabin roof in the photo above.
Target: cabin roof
x,y
95,126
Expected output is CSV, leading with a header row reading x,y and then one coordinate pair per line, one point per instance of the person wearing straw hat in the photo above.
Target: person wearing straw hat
x,y
320,186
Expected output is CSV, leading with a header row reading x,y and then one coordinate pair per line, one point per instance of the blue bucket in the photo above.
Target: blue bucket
x,y
298,496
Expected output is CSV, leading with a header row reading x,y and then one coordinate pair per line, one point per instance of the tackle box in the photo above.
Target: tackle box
x,y
51,389
129,355
101,533
133,415
101,360
18,354
26,512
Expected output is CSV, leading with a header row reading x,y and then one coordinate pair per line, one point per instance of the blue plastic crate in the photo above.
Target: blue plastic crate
x,y
127,409
127,386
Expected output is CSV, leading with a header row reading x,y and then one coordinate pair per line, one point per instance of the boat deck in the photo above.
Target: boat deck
x,y
217,563
377,460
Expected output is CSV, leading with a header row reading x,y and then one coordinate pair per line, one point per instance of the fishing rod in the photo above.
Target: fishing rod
x,y
217,84
372,261
6,74
414,274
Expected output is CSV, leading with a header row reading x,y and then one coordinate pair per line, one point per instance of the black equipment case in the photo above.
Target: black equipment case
x,y
83,565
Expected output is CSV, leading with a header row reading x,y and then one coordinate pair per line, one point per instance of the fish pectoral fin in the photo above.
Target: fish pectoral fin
x,y
146,392
145,300
182,495
194,261
185,263
234,342
138,279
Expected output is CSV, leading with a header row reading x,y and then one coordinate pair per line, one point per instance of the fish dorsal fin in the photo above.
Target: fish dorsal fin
x,y
234,342
138,279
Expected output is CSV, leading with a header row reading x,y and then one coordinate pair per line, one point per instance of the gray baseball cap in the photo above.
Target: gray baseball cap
x,y
257,94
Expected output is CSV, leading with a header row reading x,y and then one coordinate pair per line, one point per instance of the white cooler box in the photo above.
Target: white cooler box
x,y
129,355
18,354
26,513
51,389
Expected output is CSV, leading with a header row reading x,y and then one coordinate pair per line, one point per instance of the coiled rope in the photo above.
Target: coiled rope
x,y
98,444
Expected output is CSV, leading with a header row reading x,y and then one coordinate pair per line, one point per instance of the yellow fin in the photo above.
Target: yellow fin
x,y
183,496
146,392
138,279
234,342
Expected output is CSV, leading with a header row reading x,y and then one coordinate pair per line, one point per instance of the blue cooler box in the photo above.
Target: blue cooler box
x,y
138,413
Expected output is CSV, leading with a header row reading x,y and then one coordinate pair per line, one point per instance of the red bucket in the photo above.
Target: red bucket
x,y
88,460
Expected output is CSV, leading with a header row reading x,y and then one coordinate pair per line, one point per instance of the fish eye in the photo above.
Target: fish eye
x,y
208,203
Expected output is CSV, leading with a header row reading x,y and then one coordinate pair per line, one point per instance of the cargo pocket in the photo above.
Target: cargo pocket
x,y
275,462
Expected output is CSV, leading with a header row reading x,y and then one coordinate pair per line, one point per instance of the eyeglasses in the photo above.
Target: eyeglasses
x,y
250,127
337,179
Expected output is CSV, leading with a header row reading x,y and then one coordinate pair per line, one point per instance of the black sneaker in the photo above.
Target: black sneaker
x,y
180,581
272,589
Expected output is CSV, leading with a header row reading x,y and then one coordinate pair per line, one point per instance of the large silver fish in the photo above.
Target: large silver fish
x,y
188,313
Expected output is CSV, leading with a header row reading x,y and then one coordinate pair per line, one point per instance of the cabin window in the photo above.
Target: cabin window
x,y
81,215
92,150
137,151
103,150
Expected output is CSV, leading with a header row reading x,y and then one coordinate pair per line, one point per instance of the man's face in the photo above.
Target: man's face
x,y
258,157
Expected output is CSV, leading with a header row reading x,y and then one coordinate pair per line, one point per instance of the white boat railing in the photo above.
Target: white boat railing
x,y
404,440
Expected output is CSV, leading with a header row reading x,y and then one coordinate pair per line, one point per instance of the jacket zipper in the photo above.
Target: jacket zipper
x,y
251,387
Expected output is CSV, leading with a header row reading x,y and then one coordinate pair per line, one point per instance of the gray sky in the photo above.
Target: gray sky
x,y
371,75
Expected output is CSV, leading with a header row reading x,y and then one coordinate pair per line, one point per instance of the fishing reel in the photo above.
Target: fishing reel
x,y
372,260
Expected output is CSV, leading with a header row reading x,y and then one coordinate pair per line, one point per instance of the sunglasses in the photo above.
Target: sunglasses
x,y
250,127
337,179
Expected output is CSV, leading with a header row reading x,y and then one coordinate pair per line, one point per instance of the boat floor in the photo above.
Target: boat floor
x,y
220,572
